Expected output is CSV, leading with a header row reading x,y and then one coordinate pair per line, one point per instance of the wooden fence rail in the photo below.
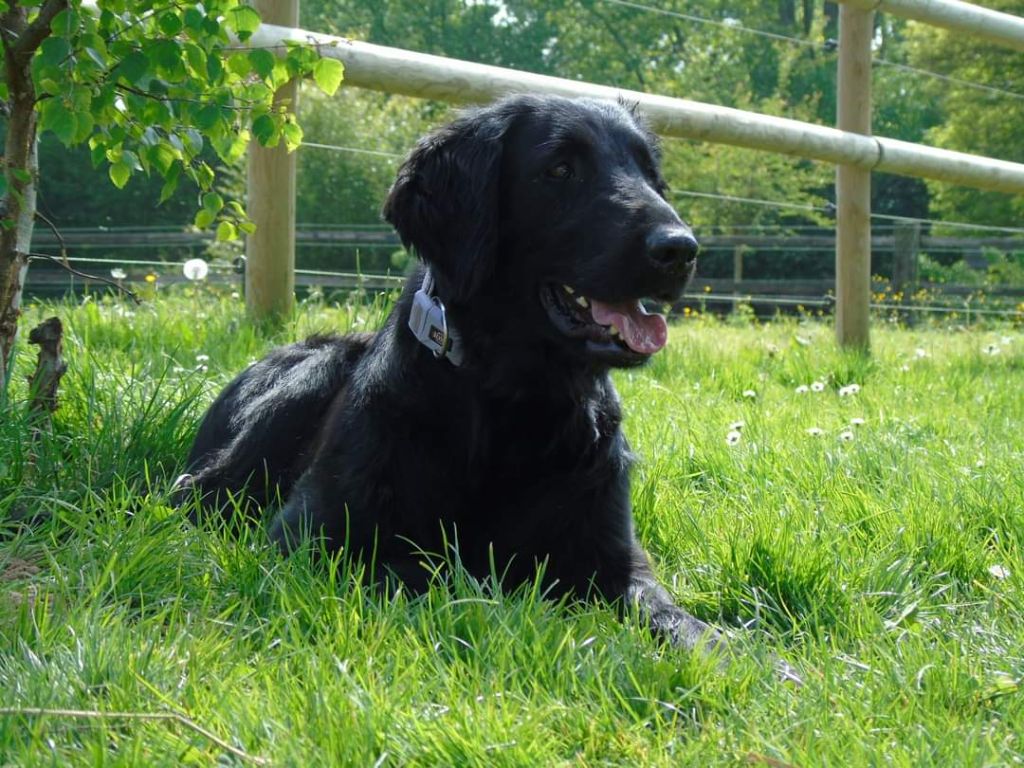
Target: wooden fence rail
x,y
994,26
393,70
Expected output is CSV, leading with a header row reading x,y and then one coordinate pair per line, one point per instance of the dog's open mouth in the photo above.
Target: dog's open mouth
x,y
622,325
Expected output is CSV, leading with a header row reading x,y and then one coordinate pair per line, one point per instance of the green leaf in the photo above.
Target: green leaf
x,y
167,55
214,69
207,117
119,174
265,130
98,58
50,86
53,51
170,23
55,116
134,67
212,202
130,159
196,58
194,139
244,20
292,135
162,158
239,64
328,74
262,62
194,19
203,175
247,226
204,218
98,153
85,122
65,23
170,182
226,231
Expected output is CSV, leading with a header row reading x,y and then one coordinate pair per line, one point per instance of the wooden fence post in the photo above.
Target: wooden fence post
x,y
270,250
853,185
737,274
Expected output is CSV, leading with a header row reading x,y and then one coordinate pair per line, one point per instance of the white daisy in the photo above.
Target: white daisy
x,y
999,571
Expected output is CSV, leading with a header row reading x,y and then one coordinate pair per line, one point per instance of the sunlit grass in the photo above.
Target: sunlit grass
x,y
870,534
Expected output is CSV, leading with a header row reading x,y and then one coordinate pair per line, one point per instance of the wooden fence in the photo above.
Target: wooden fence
x,y
851,147
901,245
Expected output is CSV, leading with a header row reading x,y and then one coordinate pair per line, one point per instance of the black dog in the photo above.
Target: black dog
x,y
492,422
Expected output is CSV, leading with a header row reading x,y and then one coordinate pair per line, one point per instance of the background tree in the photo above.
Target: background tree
x,y
973,120
149,87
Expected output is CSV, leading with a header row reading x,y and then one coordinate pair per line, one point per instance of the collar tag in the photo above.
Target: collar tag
x,y
428,322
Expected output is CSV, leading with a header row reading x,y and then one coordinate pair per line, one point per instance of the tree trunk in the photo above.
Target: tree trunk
x,y
21,39
787,12
808,16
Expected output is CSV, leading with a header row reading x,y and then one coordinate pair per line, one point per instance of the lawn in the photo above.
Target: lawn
x,y
871,535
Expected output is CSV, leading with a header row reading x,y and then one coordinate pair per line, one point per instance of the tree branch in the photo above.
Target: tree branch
x,y
56,233
38,30
64,265
627,52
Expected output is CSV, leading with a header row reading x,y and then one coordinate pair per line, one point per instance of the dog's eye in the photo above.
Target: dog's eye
x,y
560,171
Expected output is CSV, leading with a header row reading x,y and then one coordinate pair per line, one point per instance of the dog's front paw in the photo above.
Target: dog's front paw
x,y
181,489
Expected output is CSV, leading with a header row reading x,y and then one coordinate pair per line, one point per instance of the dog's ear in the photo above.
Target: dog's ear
x,y
444,202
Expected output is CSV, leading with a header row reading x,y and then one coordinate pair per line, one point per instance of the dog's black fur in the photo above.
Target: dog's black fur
x,y
517,454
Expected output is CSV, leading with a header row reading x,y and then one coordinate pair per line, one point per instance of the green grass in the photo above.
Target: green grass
x,y
870,564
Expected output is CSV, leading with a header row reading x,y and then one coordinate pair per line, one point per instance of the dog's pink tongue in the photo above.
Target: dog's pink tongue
x,y
642,332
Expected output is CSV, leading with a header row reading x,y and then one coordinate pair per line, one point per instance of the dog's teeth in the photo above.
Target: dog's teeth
x,y
613,331
568,289
582,301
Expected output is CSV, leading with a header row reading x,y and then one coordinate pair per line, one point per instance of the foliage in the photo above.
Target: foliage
x,y
888,568
148,87
1004,269
348,188
633,49
974,121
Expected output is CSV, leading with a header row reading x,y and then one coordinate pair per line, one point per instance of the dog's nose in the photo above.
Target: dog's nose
x,y
672,247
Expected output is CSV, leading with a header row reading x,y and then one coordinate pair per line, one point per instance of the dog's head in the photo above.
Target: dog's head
x,y
552,212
